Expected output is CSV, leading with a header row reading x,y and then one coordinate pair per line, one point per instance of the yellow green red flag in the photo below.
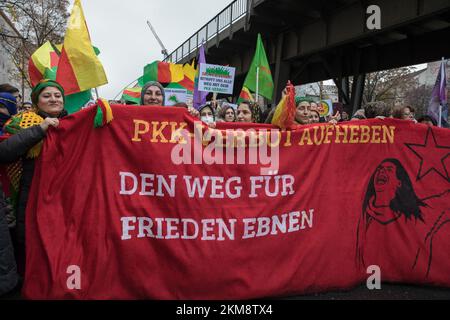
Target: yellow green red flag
x,y
132,95
245,95
43,61
164,72
188,81
79,68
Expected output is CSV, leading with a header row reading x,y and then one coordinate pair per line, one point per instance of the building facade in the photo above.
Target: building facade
x,y
7,68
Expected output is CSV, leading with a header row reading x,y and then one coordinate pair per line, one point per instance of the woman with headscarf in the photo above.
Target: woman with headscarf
x,y
303,110
248,112
153,94
25,133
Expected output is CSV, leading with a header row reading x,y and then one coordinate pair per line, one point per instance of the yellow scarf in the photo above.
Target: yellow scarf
x,y
23,121
14,170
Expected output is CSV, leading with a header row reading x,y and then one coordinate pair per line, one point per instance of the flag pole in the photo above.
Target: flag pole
x,y
257,84
214,102
442,72
96,93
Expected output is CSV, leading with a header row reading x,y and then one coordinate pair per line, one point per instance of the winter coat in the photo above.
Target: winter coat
x,y
11,150
15,148
8,269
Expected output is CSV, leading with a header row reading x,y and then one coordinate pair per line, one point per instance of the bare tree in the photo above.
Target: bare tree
x,y
389,86
419,98
37,21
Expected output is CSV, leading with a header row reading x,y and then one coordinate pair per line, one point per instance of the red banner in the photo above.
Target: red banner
x,y
156,206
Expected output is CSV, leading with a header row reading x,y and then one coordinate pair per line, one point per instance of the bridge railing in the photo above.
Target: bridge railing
x,y
225,19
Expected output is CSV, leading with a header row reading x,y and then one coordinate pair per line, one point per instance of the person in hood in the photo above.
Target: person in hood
x,y
8,108
207,114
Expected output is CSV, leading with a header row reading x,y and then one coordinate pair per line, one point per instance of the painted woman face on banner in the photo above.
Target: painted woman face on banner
x,y
385,179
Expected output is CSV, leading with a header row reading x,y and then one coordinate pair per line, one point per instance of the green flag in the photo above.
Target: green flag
x,y
265,82
75,102
50,73
141,82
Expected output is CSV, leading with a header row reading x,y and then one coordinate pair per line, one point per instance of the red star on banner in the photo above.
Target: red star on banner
x,y
432,156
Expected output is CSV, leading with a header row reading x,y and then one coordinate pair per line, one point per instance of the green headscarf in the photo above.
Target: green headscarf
x,y
303,99
41,86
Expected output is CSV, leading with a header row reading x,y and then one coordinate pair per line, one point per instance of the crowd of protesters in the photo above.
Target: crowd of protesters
x,y
307,110
21,141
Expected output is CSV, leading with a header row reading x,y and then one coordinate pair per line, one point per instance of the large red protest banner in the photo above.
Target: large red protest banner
x,y
140,209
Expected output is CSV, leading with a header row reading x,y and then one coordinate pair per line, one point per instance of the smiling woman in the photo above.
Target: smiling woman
x,y
153,94
51,101
25,134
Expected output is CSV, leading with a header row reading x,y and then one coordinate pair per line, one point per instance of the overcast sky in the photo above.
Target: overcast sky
x,y
119,29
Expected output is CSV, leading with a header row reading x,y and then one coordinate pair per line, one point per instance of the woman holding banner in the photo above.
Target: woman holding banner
x,y
303,110
24,133
153,94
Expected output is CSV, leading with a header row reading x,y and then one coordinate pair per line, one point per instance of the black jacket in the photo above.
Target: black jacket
x,y
13,149
16,148
8,269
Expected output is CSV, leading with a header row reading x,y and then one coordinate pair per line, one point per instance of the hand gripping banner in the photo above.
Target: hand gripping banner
x,y
156,206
